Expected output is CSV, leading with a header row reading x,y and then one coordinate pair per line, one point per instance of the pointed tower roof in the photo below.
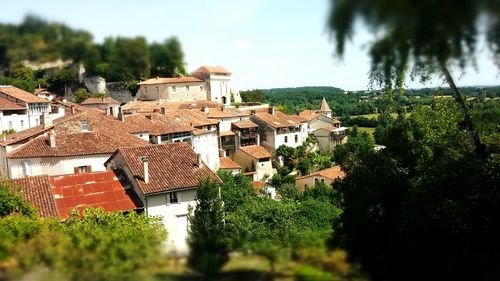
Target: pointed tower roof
x,y
324,106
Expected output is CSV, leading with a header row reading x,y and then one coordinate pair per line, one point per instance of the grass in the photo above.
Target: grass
x,y
366,129
373,115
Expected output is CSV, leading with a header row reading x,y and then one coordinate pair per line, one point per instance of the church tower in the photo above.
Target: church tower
x,y
325,109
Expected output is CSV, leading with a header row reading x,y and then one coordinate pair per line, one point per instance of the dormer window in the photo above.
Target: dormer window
x,y
84,126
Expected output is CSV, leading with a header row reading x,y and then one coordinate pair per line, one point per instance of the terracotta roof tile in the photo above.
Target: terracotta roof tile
x,y
152,106
174,80
156,124
227,163
332,173
171,167
194,117
256,151
212,69
95,190
21,95
38,192
279,119
6,104
245,124
103,100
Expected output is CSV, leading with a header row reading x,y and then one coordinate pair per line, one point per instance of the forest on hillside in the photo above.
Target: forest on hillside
x,y
35,41
347,103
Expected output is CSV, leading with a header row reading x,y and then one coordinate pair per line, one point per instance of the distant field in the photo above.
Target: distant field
x,y
366,129
373,115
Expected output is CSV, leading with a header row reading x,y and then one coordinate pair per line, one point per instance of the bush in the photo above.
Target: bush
x,y
309,273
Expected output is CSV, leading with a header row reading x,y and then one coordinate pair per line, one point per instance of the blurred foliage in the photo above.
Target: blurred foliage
x,y
425,204
12,202
82,94
207,240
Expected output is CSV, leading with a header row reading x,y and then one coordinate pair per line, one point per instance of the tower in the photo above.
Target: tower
x,y
325,109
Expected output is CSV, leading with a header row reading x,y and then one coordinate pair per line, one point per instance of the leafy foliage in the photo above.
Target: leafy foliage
x,y
425,204
11,202
208,247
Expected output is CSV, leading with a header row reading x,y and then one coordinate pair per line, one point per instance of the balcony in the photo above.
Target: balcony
x,y
250,135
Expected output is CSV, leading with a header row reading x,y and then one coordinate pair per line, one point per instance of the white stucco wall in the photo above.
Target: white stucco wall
x,y
55,165
174,217
208,146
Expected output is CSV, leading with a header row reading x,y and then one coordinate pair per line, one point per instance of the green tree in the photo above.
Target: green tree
x,y
62,79
357,143
208,245
12,202
235,189
419,33
167,58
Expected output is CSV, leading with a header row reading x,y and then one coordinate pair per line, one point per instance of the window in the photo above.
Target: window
x,y
316,181
201,88
158,90
173,89
296,138
187,88
286,139
26,168
82,169
22,124
10,125
84,125
173,197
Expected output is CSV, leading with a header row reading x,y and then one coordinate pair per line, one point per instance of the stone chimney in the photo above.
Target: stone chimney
x,y
52,138
46,120
272,110
121,116
163,111
198,159
72,109
145,164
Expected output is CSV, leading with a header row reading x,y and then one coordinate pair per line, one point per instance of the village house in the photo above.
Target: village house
x,y
74,144
20,110
206,83
44,93
325,128
255,161
326,176
178,126
57,196
107,104
228,165
165,178
277,128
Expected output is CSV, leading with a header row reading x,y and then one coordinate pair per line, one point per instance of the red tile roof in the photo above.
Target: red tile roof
x,y
332,173
227,163
38,192
194,117
21,95
95,190
245,124
156,124
256,151
279,119
171,167
6,104
211,69
175,80
152,106
103,100
56,196
105,135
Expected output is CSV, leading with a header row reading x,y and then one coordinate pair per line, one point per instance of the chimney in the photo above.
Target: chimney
x,y
4,137
52,139
206,109
272,110
198,159
163,111
72,109
145,165
121,115
157,77
46,120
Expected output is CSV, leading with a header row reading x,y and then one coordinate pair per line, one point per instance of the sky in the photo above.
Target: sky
x,y
264,43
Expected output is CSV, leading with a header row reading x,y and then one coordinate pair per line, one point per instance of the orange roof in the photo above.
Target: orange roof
x,y
172,166
279,119
103,100
258,184
56,196
212,69
245,124
105,135
38,192
21,95
155,123
152,106
256,151
94,190
194,117
332,173
6,104
227,134
227,163
309,114
175,80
